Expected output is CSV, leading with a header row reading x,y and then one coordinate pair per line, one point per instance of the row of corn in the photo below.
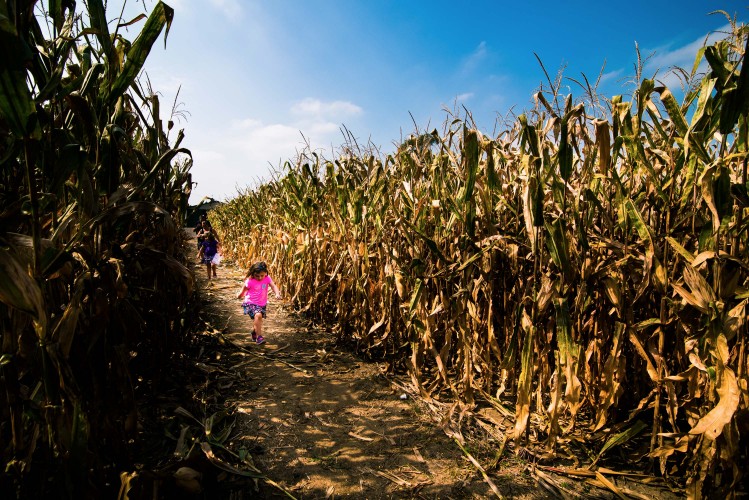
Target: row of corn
x,y
591,271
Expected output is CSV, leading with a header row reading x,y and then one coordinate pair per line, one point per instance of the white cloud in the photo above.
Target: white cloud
x,y
665,57
167,84
316,108
464,97
662,59
230,8
207,155
471,62
178,5
610,75
247,123
251,149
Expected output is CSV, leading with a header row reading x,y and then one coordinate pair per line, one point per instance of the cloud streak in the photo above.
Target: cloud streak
x,y
250,146
316,108
474,59
229,8
664,57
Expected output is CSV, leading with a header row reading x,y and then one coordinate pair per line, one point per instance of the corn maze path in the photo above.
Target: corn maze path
x,y
324,424
321,423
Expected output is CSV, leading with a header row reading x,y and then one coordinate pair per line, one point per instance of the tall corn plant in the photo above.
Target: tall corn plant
x,y
92,196
551,266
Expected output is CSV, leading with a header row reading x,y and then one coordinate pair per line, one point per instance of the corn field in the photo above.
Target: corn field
x,y
93,191
585,271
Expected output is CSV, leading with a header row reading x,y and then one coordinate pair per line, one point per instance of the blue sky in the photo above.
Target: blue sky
x,y
257,76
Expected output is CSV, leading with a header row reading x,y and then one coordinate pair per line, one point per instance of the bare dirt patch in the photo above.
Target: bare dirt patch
x,y
322,423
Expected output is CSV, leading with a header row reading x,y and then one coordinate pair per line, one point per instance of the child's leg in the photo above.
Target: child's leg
x,y
208,269
258,323
213,266
248,311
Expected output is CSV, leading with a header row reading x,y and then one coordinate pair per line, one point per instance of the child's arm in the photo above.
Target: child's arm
x,y
200,251
244,289
275,289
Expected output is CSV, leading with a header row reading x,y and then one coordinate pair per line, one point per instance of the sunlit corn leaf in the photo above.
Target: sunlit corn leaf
x,y
161,16
522,406
673,110
712,424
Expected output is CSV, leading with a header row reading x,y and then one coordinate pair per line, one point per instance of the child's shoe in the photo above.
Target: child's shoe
x,y
254,336
260,340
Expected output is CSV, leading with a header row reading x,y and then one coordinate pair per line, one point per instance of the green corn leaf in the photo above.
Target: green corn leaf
x,y
638,222
736,100
705,93
680,249
160,17
471,158
492,179
558,248
673,110
16,104
622,437
718,64
564,154
97,15
648,322
529,136
161,165
429,242
567,347
56,11
415,295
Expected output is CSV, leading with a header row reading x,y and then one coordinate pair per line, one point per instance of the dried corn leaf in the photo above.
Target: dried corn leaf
x,y
711,425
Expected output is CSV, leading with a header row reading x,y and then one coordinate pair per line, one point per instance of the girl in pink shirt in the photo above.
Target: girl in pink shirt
x,y
254,297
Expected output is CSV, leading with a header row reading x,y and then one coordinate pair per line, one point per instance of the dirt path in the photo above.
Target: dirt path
x,y
317,422
322,423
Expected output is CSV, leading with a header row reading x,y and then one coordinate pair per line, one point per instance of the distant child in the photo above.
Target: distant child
x,y
202,230
199,226
254,297
209,248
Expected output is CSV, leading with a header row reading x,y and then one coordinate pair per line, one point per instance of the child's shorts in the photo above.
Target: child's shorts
x,y
207,259
253,309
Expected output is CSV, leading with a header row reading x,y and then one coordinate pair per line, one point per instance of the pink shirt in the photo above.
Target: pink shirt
x,y
257,291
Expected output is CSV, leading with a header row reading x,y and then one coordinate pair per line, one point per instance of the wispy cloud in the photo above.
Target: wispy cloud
x,y
665,57
610,75
230,8
250,146
166,83
178,5
316,108
472,61
464,97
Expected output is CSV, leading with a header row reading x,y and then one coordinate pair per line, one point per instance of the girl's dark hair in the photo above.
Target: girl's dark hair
x,y
257,267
